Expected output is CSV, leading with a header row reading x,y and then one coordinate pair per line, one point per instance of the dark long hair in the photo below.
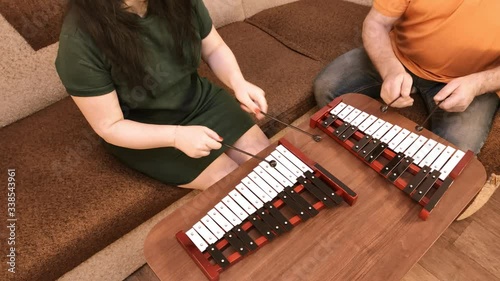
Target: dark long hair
x,y
115,31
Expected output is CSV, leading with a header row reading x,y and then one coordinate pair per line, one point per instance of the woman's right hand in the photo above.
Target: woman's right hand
x,y
196,141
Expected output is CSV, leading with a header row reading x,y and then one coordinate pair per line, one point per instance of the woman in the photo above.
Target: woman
x,y
131,68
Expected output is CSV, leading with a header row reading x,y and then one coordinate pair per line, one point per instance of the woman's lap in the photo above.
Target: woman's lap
x,y
222,114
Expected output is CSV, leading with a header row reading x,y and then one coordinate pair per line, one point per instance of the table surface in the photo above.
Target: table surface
x,y
379,238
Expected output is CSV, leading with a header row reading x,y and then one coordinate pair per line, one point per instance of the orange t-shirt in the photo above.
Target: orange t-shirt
x,y
440,40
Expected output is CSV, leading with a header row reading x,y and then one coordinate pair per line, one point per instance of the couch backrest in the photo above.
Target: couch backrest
x,y
224,12
252,7
28,80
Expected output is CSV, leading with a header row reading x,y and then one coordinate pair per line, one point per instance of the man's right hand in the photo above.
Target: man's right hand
x,y
377,43
196,141
397,84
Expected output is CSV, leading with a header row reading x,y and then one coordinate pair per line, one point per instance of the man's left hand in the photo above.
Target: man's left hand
x,y
459,93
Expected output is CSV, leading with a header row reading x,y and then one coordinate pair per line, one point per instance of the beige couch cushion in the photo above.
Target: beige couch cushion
x,y
224,12
28,80
252,7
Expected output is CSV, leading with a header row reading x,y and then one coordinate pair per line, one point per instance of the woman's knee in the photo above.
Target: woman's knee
x,y
217,170
253,141
261,140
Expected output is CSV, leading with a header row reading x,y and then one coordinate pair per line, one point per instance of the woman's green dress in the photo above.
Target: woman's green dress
x,y
173,93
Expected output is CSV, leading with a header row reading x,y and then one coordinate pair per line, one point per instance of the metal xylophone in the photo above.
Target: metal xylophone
x,y
423,168
265,204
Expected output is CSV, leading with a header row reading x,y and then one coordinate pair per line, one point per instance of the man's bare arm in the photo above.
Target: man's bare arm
x,y
376,40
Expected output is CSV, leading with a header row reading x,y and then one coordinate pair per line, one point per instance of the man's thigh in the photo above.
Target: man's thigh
x,y
352,72
469,129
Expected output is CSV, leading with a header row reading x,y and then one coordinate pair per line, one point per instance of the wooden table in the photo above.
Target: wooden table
x,y
379,238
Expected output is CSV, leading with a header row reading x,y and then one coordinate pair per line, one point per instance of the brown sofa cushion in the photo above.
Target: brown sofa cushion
x,y
325,29
74,199
38,22
490,153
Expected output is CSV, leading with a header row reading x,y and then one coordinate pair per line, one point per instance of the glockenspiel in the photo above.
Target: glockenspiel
x,y
267,203
421,167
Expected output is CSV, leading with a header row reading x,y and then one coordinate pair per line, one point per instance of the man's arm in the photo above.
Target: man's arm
x,y
490,80
377,43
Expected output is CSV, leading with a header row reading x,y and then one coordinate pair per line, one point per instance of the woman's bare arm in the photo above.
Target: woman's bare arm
x,y
223,63
221,59
106,118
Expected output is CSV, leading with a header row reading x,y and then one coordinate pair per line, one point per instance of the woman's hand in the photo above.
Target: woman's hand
x,y
251,97
196,141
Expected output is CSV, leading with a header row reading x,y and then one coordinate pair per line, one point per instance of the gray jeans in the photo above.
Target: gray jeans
x,y
353,72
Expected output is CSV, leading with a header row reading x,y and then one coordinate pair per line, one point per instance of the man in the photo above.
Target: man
x,y
448,51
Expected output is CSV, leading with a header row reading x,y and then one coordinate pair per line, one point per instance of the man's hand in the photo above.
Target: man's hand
x,y
459,93
251,97
397,84
196,141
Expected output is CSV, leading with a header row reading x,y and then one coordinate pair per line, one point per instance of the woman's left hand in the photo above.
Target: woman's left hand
x,y
251,97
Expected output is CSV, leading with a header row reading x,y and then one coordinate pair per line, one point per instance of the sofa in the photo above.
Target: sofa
x,y
82,215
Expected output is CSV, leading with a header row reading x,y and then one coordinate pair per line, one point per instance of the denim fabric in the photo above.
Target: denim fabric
x,y
353,72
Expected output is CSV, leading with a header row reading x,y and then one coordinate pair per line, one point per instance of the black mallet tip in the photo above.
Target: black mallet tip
x,y
317,138
419,128
273,163
384,108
